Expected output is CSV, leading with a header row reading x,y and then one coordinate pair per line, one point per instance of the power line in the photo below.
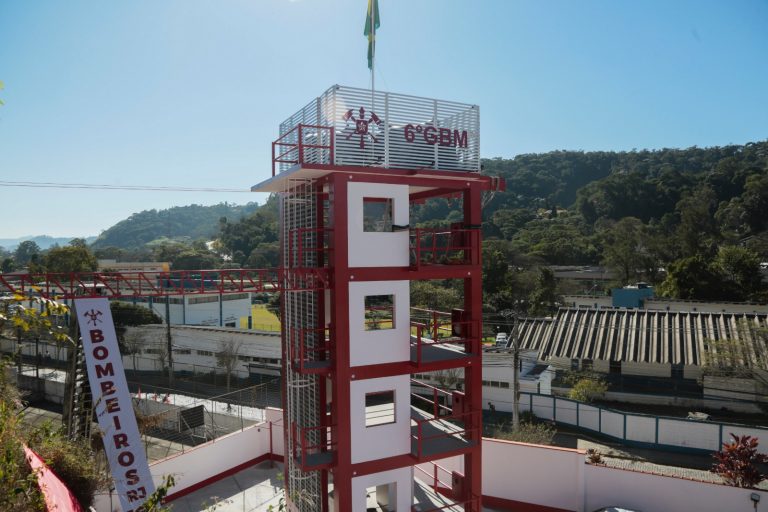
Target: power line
x,y
143,188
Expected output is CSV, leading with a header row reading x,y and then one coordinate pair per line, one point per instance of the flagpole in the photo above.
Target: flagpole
x,y
373,68
373,55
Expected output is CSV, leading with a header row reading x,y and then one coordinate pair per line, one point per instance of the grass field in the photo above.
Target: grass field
x,y
263,319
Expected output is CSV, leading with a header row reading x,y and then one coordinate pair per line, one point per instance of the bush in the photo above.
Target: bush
x,y
72,461
527,432
594,456
737,462
587,389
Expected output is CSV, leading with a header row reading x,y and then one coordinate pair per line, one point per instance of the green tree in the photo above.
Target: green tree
x,y
227,357
27,252
432,295
697,232
72,258
691,278
544,299
625,251
495,265
755,202
239,240
739,268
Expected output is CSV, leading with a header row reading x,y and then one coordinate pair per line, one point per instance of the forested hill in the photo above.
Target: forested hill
x,y
554,178
186,222
699,213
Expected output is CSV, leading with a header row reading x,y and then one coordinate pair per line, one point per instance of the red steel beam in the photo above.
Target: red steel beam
x,y
160,284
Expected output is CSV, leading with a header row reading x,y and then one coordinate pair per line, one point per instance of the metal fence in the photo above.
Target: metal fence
x,y
635,429
172,421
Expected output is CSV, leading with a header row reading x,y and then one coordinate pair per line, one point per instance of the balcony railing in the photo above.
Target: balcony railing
x,y
446,246
461,340
313,447
303,145
436,426
438,405
434,437
313,359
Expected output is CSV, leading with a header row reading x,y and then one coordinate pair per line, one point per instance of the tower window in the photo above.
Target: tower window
x,y
377,214
379,312
379,408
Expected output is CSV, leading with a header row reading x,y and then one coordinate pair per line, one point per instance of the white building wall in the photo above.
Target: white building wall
x,y
203,343
194,312
401,477
377,249
381,345
530,474
380,441
641,491
527,477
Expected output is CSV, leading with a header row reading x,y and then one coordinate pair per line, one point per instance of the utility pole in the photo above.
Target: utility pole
x,y
168,339
514,337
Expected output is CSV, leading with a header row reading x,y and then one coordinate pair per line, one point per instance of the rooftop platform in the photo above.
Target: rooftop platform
x,y
357,130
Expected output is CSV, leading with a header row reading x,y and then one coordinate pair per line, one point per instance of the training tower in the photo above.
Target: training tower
x,y
349,168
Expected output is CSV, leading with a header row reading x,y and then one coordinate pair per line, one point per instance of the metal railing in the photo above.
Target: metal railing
x,y
165,430
467,338
314,447
434,476
386,130
434,405
446,246
303,356
443,429
297,148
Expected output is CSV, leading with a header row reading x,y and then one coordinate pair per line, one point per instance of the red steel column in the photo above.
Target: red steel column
x,y
323,392
473,306
340,373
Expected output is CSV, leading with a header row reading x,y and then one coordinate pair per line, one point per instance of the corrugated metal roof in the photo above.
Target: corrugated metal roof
x,y
647,336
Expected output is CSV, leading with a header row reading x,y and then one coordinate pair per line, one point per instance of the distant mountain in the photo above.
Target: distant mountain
x,y
43,241
188,222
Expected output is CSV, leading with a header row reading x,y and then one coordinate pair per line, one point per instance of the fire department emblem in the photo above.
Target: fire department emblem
x,y
93,316
359,126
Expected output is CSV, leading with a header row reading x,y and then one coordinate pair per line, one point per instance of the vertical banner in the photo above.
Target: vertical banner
x,y
112,403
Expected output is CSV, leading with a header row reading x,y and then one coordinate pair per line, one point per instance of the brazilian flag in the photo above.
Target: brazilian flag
x,y
372,22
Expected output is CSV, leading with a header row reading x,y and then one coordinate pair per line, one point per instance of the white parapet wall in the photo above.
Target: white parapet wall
x,y
200,465
520,476
516,476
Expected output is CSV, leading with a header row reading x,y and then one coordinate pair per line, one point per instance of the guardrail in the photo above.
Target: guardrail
x,y
637,429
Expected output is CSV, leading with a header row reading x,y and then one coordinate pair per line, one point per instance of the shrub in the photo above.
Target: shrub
x,y
587,389
527,432
736,462
594,456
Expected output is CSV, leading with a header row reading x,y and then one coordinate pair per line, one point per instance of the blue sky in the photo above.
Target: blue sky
x,y
190,93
